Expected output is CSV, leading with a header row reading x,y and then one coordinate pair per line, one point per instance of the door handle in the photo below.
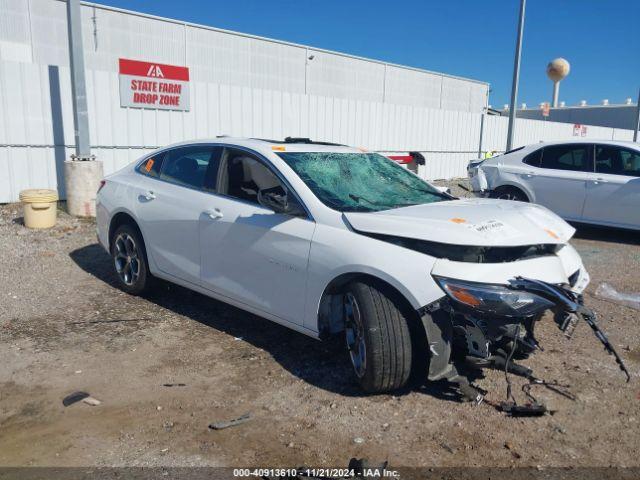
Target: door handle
x,y
149,195
214,214
599,180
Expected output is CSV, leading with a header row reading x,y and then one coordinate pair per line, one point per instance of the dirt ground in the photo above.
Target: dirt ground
x,y
64,327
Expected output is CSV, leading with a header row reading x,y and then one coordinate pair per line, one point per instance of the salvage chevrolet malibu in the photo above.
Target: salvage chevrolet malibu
x,y
327,239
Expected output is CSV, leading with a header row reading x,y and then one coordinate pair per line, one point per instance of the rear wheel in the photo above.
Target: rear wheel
x,y
130,260
378,337
509,193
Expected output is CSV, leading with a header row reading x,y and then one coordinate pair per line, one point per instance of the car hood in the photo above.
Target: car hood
x,y
473,221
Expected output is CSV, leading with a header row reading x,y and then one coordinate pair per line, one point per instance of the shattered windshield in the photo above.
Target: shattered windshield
x,y
360,182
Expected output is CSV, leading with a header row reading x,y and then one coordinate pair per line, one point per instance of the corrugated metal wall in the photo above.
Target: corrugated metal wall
x,y
36,125
240,85
35,31
615,116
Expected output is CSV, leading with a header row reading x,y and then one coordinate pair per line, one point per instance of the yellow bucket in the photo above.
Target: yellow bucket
x,y
40,207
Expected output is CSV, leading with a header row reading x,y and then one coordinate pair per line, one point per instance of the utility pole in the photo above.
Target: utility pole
x,y
637,124
78,84
516,77
82,173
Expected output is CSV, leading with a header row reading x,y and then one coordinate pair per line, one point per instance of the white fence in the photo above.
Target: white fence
x,y
36,125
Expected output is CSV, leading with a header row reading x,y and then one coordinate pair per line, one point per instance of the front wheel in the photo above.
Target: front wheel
x,y
378,337
509,193
130,260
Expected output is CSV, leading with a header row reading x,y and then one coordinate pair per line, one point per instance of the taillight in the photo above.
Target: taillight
x,y
102,184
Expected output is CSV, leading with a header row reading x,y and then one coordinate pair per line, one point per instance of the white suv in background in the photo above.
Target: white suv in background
x,y
586,181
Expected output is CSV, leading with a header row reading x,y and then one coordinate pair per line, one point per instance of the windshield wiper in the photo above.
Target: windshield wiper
x,y
358,198
435,192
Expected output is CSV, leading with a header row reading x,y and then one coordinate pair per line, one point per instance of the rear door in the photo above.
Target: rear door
x,y
171,204
613,194
559,183
250,253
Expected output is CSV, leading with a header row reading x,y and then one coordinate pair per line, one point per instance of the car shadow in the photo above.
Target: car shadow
x,y
323,364
606,234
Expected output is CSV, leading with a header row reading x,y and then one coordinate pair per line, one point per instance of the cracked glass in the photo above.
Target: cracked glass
x,y
360,182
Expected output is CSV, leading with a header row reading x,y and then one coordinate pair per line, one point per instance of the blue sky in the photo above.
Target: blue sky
x,y
469,38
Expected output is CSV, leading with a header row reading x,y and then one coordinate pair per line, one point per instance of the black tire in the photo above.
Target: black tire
x,y
129,256
509,193
383,333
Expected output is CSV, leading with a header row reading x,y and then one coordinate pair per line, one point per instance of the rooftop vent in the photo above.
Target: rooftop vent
x,y
605,101
583,103
628,101
562,104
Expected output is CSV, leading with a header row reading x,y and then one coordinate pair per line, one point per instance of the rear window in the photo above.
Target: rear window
x,y
534,158
151,166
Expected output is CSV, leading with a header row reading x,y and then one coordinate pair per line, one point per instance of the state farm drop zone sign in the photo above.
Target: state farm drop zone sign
x,y
153,85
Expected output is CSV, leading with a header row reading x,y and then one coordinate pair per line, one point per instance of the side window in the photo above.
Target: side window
x,y
617,161
566,157
533,158
195,166
151,166
245,176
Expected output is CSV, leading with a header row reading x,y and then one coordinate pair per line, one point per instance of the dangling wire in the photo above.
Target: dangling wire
x,y
506,365
553,386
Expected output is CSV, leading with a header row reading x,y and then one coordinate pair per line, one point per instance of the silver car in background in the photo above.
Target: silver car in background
x,y
585,181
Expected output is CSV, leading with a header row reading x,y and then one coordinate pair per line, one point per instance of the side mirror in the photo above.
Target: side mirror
x,y
277,200
418,158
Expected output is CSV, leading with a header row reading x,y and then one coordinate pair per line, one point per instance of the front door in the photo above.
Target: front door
x,y
613,193
560,182
248,252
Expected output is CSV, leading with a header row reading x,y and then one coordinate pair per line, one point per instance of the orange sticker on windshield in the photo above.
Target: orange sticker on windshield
x,y
277,148
552,234
458,220
149,165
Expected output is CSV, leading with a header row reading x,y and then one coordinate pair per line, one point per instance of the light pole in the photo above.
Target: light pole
x,y
516,76
78,84
637,124
82,174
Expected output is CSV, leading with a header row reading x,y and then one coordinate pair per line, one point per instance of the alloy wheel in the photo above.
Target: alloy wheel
x,y
508,196
354,332
127,259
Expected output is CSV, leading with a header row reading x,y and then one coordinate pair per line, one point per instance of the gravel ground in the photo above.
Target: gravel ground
x,y
64,326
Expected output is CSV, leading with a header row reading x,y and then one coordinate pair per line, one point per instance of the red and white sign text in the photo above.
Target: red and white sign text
x,y
153,85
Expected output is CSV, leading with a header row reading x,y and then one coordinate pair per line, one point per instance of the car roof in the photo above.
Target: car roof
x,y
288,145
620,143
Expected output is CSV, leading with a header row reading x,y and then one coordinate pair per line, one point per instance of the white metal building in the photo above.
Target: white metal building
x,y
240,85
605,115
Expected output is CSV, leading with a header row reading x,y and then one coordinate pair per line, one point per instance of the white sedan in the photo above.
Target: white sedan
x,y
586,181
327,239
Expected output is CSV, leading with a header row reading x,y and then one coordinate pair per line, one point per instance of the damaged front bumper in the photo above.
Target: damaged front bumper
x,y
482,322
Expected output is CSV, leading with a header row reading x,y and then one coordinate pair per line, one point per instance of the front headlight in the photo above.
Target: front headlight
x,y
493,299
